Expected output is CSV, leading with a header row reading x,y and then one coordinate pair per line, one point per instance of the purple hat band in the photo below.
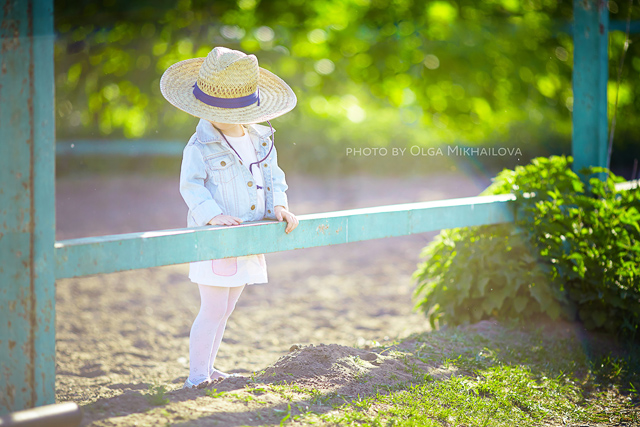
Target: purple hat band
x,y
243,101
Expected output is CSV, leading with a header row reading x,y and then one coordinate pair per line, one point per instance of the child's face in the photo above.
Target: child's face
x,y
227,126
230,129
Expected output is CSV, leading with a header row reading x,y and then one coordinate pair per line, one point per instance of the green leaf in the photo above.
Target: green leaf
x,y
519,303
599,318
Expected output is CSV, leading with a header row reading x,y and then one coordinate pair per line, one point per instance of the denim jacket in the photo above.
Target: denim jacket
x,y
213,181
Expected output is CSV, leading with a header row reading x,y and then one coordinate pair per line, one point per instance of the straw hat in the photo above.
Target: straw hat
x,y
227,86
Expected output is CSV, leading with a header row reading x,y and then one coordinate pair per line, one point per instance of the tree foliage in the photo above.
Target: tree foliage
x,y
374,72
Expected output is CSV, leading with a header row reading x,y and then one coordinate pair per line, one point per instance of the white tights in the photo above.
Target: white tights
x,y
216,305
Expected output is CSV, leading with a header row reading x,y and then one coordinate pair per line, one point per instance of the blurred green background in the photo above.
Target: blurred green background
x,y
367,73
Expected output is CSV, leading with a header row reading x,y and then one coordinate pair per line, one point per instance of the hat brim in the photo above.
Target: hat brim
x,y
276,97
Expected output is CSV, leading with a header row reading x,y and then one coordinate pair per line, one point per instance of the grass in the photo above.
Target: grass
x,y
518,378
156,395
212,392
501,396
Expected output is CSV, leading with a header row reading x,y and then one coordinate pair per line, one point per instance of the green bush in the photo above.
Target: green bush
x,y
573,252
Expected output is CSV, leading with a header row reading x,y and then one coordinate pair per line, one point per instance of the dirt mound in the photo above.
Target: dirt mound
x,y
322,360
339,368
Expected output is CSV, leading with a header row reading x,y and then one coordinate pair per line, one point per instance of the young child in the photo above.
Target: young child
x,y
229,175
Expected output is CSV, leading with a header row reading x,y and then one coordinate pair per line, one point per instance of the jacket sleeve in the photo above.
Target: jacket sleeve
x,y
197,197
279,183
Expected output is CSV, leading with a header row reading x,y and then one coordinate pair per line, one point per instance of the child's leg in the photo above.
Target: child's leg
x,y
234,295
213,308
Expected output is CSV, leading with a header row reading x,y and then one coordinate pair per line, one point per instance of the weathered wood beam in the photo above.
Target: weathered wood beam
x,y
589,146
94,255
27,208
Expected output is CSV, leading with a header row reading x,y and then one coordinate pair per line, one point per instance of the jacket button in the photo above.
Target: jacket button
x,y
253,207
264,144
264,164
222,163
250,184
268,188
269,211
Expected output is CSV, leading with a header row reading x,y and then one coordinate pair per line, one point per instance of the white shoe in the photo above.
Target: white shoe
x,y
224,375
189,385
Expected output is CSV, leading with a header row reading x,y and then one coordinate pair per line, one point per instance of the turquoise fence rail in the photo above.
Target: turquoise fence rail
x,y
93,255
618,25
132,147
121,252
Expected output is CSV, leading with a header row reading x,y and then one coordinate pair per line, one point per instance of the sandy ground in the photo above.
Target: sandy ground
x,y
118,333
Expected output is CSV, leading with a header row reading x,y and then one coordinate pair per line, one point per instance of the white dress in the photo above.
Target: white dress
x,y
236,271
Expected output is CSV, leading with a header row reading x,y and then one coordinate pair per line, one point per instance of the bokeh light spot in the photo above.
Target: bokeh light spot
x,y
324,66
561,53
431,62
317,36
264,34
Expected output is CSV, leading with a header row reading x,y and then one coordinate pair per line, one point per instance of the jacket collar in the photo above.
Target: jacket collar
x,y
207,134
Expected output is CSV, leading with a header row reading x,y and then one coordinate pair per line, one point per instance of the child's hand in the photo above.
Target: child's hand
x,y
225,220
292,221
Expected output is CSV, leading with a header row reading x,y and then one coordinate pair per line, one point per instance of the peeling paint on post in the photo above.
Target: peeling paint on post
x,y
27,214
590,75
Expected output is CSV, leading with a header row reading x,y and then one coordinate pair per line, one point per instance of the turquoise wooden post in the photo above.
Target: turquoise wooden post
x,y
27,222
590,75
